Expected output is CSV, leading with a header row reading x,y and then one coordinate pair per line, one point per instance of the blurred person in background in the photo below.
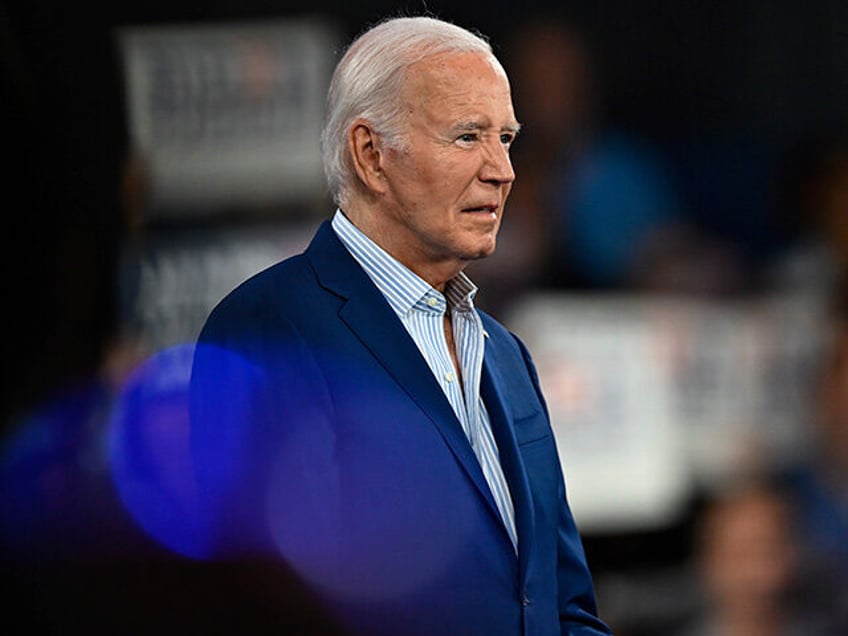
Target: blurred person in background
x,y
818,484
815,268
747,562
812,192
353,413
596,208
552,82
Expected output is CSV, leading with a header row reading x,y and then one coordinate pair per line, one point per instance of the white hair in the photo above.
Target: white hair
x,y
368,83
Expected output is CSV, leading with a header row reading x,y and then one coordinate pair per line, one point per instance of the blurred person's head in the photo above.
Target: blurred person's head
x,y
550,64
830,201
813,193
746,554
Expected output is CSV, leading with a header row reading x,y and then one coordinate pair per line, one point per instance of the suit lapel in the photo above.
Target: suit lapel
x,y
491,385
372,320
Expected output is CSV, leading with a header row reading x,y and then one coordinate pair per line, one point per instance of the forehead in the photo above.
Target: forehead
x,y
462,80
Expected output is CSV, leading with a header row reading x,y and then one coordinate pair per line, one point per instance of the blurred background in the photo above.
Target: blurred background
x,y
674,253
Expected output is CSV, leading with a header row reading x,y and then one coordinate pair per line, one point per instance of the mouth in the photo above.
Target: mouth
x,y
488,208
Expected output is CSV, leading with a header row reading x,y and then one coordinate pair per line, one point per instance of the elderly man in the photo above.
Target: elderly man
x,y
354,414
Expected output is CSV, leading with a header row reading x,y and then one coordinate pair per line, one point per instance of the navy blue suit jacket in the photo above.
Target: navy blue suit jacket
x,y
320,434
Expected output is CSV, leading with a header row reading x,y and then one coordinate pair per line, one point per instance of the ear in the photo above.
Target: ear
x,y
366,153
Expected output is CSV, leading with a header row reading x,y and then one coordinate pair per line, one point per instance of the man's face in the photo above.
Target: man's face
x,y
447,187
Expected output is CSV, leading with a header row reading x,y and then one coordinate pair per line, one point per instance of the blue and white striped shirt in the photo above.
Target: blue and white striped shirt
x,y
421,309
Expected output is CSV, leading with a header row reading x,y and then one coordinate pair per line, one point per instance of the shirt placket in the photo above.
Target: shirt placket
x,y
467,332
434,309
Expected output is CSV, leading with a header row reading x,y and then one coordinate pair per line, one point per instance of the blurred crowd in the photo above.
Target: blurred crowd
x,y
602,208
595,209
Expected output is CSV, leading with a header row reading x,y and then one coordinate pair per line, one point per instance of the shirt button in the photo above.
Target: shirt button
x,y
432,301
525,601
449,376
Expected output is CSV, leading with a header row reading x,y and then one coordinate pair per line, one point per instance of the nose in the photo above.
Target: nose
x,y
497,166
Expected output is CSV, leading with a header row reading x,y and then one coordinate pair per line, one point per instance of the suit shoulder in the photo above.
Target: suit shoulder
x,y
262,293
283,275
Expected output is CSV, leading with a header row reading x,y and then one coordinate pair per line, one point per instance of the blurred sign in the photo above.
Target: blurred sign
x,y
173,283
651,399
604,373
228,115
745,380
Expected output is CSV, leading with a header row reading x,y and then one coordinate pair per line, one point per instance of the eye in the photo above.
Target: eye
x,y
467,138
507,138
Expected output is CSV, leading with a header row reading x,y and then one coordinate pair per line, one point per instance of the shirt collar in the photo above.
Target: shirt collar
x,y
460,292
402,287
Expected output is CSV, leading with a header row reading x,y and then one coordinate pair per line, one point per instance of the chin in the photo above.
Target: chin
x,y
481,253
474,250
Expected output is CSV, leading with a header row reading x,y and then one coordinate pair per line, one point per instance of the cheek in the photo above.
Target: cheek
x,y
460,170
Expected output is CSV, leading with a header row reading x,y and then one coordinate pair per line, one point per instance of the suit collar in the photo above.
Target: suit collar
x,y
369,316
492,385
401,287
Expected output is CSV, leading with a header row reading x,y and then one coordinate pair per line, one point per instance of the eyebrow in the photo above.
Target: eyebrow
x,y
472,126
